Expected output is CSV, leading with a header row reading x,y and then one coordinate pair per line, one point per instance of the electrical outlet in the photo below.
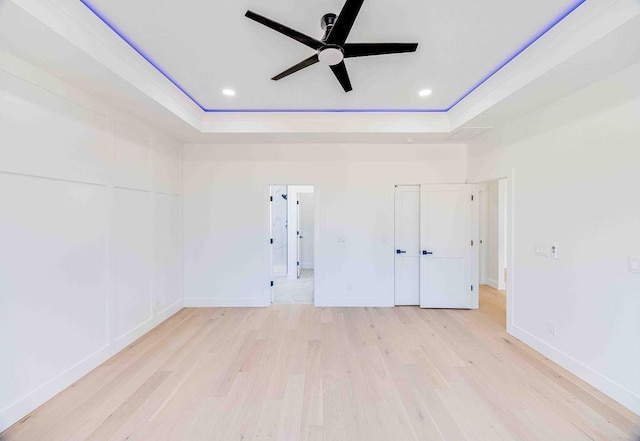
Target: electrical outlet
x,y
551,327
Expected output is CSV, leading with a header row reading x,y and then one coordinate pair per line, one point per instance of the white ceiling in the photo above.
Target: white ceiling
x,y
209,45
66,40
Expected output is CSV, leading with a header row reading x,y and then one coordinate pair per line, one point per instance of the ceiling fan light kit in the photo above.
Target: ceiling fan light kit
x,y
332,48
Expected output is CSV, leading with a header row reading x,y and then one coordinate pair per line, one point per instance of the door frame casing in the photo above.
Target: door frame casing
x,y
511,296
268,295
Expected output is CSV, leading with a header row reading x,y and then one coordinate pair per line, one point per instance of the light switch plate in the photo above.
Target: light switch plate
x,y
542,251
634,265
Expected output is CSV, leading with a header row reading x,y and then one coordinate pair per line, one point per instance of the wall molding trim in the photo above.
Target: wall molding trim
x,y
604,384
493,283
225,302
17,410
352,302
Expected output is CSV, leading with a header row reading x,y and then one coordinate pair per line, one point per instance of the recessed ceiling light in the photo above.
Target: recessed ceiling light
x,y
425,92
228,92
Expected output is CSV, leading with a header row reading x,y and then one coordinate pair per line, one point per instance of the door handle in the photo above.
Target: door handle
x,y
400,252
426,253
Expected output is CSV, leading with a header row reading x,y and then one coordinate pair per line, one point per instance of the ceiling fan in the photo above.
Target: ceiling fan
x,y
333,48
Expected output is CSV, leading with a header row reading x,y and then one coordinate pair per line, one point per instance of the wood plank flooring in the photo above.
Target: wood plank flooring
x,y
294,372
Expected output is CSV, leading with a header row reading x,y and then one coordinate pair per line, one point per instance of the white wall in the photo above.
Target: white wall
x,y
89,234
307,230
226,243
575,169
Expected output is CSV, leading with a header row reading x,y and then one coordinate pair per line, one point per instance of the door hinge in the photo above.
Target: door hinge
x,y
298,263
297,202
471,287
471,198
471,243
271,198
271,241
272,283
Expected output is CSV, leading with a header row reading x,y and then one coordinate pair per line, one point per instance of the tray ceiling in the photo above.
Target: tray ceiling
x,y
205,47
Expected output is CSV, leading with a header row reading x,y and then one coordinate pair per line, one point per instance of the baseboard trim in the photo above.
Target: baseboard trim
x,y
604,384
352,302
225,302
27,404
492,283
306,265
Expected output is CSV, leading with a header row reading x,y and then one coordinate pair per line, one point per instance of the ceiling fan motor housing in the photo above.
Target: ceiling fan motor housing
x,y
327,22
330,54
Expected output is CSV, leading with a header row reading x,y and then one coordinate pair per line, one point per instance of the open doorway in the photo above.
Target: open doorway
x,y
292,243
493,271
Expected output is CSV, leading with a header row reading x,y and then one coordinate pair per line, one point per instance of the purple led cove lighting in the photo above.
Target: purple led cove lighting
x,y
520,50
508,60
140,52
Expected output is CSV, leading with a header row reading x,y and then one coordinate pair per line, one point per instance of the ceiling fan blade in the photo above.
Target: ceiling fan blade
x,y
292,33
352,50
340,71
344,22
301,65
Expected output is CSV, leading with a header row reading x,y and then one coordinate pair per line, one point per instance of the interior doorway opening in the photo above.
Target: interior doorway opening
x,y
292,236
493,268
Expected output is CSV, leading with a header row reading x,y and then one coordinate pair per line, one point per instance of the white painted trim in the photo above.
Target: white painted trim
x,y
604,384
76,24
312,123
17,410
226,302
267,250
306,265
493,283
511,292
353,302
582,28
37,78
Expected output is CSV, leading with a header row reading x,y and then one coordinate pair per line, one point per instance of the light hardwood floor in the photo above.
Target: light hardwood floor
x,y
293,372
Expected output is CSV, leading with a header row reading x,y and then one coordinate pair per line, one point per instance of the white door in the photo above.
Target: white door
x,y
298,239
407,245
271,294
447,253
482,234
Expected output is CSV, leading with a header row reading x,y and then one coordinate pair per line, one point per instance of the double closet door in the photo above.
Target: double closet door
x,y
434,248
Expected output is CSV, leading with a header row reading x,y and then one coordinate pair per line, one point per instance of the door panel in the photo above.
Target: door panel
x,y
446,232
407,240
298,239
